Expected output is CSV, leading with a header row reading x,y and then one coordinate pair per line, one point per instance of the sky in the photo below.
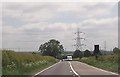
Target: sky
x,y
27,25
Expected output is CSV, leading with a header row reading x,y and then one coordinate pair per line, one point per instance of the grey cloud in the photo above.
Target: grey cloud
x,y
38,26
45,11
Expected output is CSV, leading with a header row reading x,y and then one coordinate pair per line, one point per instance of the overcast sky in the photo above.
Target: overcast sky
x,y
27,25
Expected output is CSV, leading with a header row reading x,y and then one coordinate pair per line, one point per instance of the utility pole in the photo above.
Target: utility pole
x,y
78,40
104,47
65,51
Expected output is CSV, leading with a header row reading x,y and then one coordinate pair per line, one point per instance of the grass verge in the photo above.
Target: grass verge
x,y
106,62
23,65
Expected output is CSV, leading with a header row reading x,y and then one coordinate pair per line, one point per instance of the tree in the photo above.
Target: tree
x,y
87,53
116,50
51,48
77,54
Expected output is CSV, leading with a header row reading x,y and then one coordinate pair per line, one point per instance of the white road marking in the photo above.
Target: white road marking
x,y
46,69
74,70
70,71
100,69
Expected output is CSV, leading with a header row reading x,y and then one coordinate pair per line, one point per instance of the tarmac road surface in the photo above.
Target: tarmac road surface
x,y
74,69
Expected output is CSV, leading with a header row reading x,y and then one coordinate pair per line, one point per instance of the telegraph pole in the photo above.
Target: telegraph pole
x,y
105,45
78,40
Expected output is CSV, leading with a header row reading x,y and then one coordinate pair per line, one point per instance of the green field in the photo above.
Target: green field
x,y
106,62
14,63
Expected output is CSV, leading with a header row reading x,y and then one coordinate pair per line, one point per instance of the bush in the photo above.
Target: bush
x,y
77,54
116,50
87,53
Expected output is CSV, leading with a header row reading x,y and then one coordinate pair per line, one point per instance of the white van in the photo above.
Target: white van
x,y
69,58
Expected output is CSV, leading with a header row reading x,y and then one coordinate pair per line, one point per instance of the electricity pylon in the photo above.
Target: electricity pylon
x,y
78,40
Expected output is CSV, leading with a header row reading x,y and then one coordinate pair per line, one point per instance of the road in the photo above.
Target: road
x,y
74,69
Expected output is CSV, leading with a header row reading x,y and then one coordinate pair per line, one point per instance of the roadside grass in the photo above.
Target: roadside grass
x,y
106,62
26,71
24,64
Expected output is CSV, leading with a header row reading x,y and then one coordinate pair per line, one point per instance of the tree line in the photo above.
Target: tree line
x,y
54,48
80,54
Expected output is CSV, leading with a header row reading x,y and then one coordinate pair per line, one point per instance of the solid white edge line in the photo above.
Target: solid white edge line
x,y
46,68
100,69
73,70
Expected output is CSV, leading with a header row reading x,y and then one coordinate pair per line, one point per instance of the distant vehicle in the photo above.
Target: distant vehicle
x,y
69,58
64,59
